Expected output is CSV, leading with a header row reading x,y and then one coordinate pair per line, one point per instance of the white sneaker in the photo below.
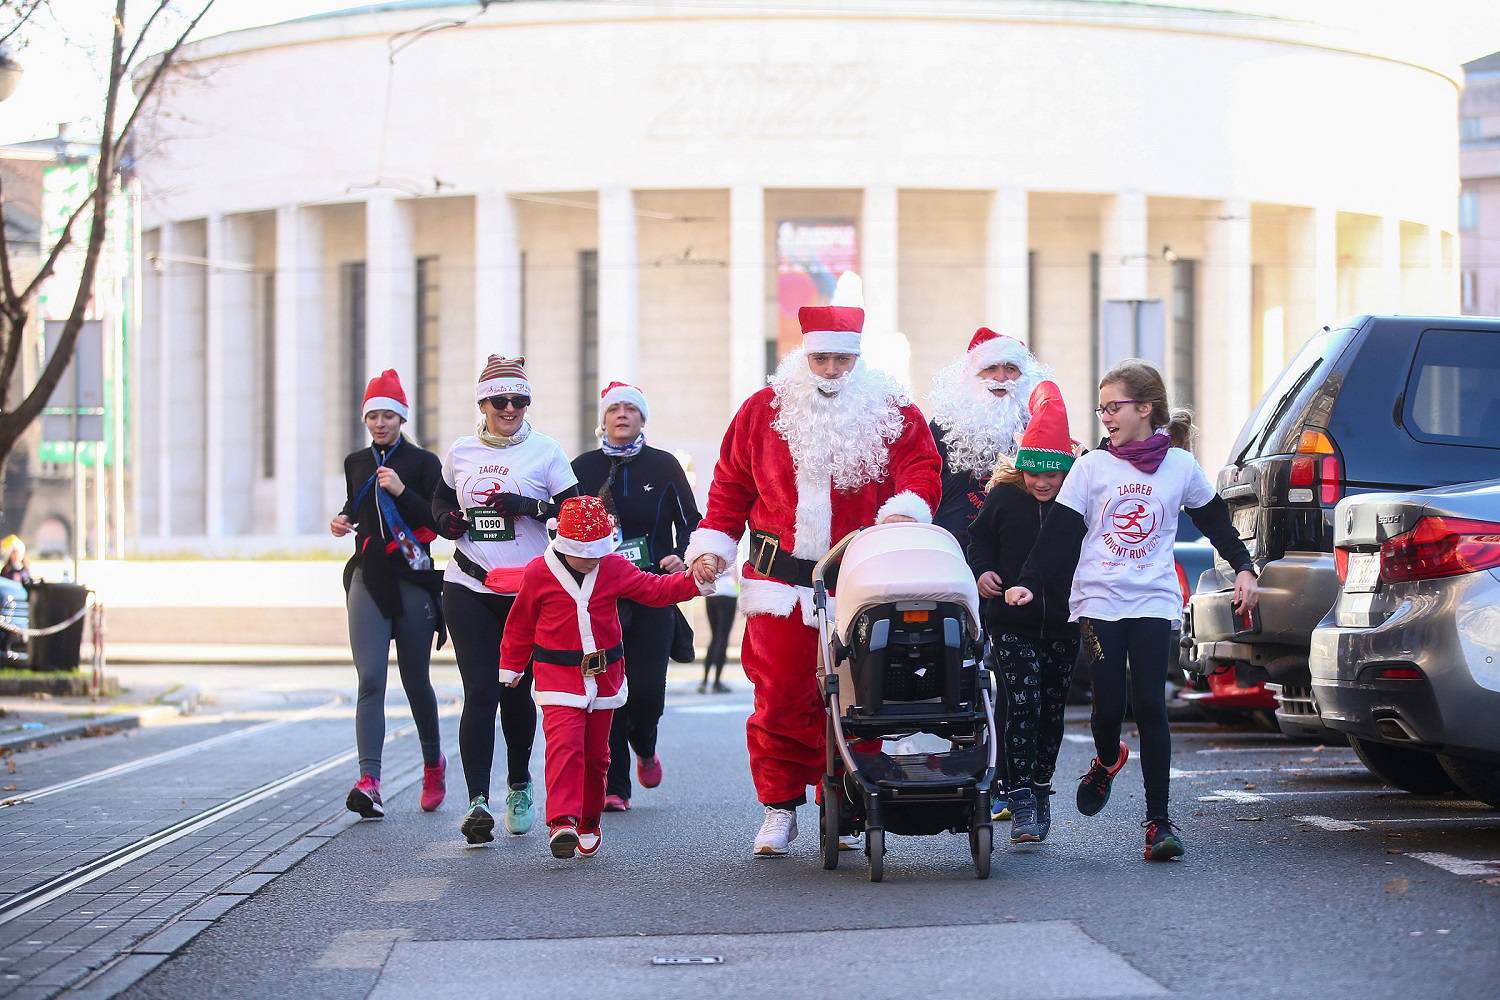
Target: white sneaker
x,y
849,842
777,831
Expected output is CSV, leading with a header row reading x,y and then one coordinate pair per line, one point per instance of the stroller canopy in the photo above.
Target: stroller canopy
x,y
903,562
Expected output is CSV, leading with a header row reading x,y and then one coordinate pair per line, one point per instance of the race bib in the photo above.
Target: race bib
x,y
636,550
487,526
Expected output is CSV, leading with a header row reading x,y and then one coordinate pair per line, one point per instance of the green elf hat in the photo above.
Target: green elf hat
x,y
1046,445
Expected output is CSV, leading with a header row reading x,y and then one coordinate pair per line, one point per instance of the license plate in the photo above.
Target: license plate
x,y
1364,573
1245,521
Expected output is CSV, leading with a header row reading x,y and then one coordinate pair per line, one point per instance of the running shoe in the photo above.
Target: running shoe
x,y
364,798
519,815
703,686
434,784
1000,808
563,841
1023,822
616,804
1093,787
478,826
849,842
721,688
648,770
589,842
1043,808
1162,842
777,831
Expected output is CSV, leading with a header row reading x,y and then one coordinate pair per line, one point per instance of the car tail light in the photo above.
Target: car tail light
x,y
1399,674
1316,464
1341,565
1439,547
1182,582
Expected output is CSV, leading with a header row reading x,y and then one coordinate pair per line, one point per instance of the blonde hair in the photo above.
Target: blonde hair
x,y
1005,473
1144,383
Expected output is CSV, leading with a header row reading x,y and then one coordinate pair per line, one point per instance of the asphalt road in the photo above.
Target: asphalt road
x,y
1304,877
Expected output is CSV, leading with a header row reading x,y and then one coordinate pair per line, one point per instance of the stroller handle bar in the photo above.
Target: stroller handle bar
x,y
831,560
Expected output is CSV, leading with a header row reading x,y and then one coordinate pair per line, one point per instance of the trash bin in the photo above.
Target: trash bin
x,y
51,604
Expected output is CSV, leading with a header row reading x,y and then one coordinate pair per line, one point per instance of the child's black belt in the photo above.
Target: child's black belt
x,y
767,559
592,663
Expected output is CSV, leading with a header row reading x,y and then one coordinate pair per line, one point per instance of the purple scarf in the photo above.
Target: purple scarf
x,y
1145,455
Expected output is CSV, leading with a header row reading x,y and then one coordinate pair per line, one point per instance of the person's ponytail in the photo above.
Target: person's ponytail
x,y
1180,428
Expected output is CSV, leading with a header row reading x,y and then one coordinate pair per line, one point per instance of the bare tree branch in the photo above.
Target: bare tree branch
x,y
26,10
140,38
63,241
7,285
163,62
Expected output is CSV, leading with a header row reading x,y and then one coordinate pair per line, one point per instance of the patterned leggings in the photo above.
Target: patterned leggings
x,y
1037,673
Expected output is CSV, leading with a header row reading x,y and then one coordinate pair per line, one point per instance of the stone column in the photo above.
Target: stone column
x,y
1325,267
391,296
747,292
1008,284
300,381
230,374
1389,299
1123,254
879,250
1439,300
166,296
619,288
1224,390
497,279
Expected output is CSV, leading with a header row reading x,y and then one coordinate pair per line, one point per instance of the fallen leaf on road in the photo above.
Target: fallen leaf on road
x,y
1307,760
1250,786
10,788
1489,881
1398,884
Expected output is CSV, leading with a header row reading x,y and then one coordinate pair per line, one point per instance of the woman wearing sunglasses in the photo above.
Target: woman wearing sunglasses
x,y
499,488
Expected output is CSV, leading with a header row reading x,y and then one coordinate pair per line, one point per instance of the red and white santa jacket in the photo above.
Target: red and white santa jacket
x,y
757,485
557,618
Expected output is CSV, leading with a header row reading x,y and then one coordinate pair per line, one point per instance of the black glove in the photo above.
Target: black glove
x,y
515,505
451,525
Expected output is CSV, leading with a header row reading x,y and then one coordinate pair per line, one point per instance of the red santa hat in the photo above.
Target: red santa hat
x,y
584,528
622,392
835,328
1046,445
987,348
385,393
502,377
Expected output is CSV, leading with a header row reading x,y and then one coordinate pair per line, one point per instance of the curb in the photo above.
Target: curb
x,y
73,730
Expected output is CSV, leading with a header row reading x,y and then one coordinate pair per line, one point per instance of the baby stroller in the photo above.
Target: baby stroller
x,y
900,652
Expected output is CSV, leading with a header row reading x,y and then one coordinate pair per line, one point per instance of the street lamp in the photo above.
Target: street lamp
x,y
10,75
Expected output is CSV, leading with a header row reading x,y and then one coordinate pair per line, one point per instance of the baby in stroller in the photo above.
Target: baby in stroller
x,y
900,653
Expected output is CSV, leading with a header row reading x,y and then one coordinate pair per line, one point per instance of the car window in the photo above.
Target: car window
x,y
1278,399
1453,392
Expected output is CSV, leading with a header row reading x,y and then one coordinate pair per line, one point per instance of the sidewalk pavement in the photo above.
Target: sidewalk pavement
x,y
257,654
26,722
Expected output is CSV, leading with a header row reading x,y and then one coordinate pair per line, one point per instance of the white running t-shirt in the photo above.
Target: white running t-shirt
x,y
535,468
1126,567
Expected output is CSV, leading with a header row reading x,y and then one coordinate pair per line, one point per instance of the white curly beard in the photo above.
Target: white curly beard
x,y
977,427
845,435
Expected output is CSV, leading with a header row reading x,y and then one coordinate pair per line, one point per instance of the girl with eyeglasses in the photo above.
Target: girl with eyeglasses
x,y
499,487
1115,517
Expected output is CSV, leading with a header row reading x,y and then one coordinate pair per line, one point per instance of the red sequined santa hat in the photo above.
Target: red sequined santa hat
x,y
385,393
584,528
835,328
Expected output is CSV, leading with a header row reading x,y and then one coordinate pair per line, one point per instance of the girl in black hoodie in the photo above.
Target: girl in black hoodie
x,y
1032,647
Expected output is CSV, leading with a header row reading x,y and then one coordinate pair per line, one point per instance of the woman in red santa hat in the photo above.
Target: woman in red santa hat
x,y
565,622
830,446
392,590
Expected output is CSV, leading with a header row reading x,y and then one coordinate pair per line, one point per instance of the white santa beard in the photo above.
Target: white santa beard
x,y
978,427
836,442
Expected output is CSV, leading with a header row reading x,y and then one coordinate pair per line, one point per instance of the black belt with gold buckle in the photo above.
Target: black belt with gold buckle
x,y
767,559
593,664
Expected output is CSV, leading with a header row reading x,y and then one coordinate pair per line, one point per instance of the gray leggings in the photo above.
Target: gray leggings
x,y
370,635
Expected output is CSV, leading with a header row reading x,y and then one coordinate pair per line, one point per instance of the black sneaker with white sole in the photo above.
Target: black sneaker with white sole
x,y
478,826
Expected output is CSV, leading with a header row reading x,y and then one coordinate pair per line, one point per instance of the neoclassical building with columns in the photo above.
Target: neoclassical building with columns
x,y
633,191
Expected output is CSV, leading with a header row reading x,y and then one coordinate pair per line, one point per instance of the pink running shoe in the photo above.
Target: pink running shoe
x,y
616,804
364,798
434,784
648,769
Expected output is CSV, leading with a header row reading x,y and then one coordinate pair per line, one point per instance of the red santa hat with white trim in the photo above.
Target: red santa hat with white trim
x,y
584,528
1046,445
836,327
385,393
502,376
622,392
987,348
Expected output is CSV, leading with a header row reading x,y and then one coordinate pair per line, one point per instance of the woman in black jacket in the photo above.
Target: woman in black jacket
x,y
391,588
1035,646
648,493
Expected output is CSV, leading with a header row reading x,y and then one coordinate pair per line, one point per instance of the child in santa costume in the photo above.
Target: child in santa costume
x,y
564,622
830,446
1033,648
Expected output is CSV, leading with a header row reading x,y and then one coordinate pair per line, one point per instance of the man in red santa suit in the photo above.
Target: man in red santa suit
x,y
831,445
566,624
979,409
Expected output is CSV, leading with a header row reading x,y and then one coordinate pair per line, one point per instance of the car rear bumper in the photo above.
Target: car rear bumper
x,y
1296,591
1454,642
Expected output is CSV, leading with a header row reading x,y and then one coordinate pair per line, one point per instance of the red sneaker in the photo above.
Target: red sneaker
x,y
616,804
434,784
648,770
564,839
364,798
589,841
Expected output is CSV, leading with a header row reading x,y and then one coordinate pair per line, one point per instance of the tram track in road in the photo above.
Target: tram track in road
x,y
167,755
60,885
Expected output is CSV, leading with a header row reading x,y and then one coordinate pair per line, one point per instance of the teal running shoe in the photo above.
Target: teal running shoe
x,y
519,814
478,826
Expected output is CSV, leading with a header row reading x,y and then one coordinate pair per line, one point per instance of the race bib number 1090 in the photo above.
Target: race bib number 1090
x,y
487,526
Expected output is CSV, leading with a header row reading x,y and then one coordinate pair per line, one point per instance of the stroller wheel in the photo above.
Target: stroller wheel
x,y
875,848
828,829
981,845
